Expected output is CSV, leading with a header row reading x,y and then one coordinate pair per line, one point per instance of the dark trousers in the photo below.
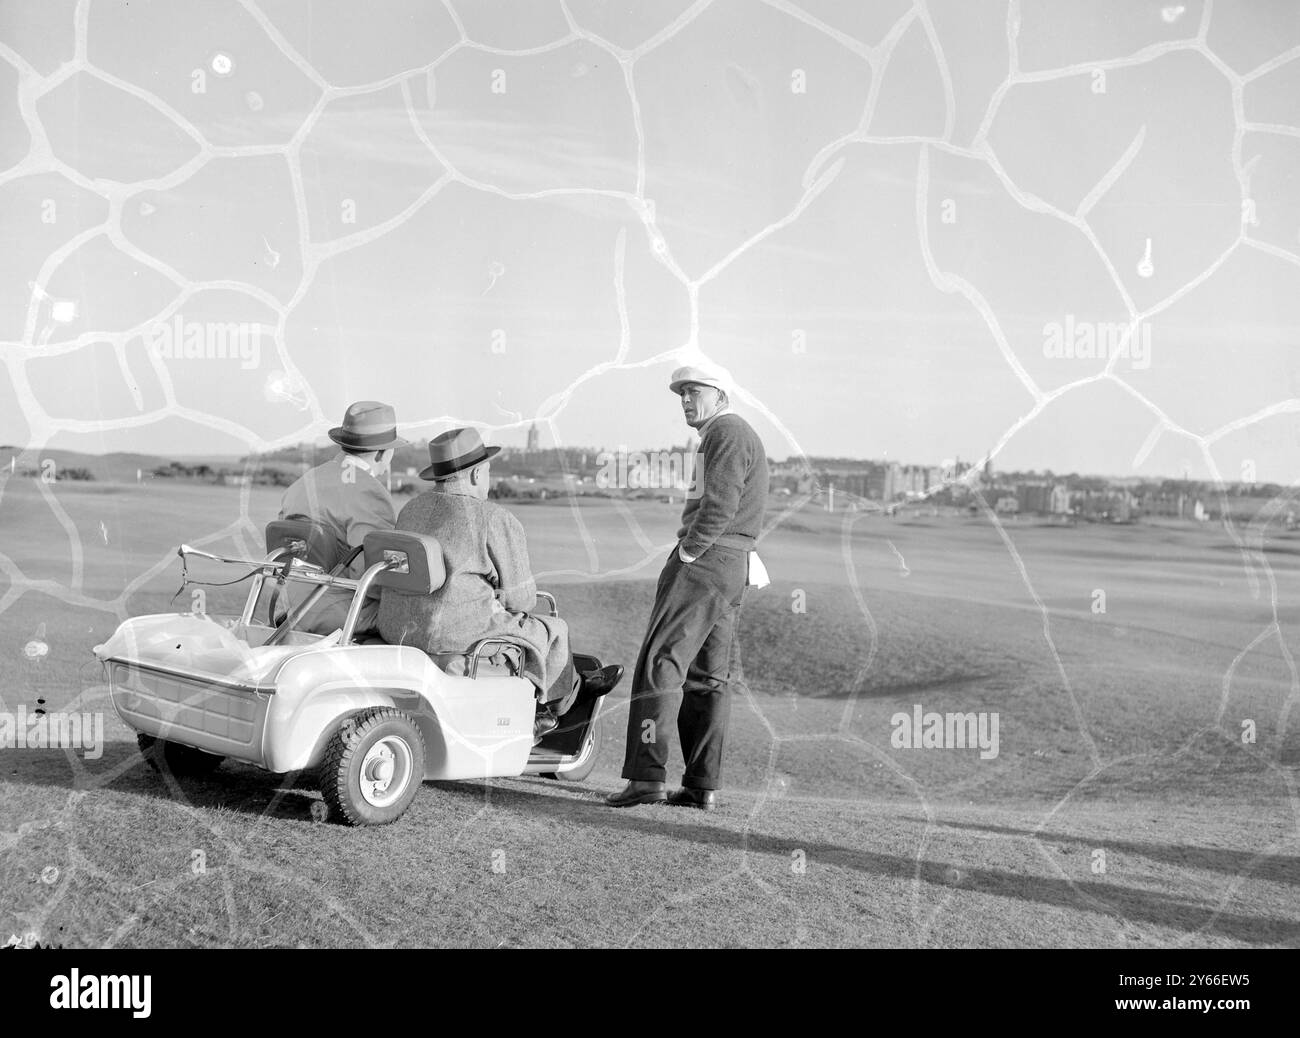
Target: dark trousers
x,y
564,687
690,649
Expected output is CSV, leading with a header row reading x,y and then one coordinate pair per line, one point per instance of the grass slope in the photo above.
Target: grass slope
x,y
1123,808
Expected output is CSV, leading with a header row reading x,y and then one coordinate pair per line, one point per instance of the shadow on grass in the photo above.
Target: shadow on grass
x,y
233,786
1274,868
1101,898
251,791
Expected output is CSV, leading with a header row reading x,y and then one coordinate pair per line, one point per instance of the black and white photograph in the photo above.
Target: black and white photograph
x,y
652,474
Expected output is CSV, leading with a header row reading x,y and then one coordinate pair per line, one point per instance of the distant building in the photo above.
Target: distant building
x,y
904,481
533,438
1116,506
1164,505
1034,497
914,480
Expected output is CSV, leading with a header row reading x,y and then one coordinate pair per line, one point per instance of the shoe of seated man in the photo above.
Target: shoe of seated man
x,y
544,722
599,682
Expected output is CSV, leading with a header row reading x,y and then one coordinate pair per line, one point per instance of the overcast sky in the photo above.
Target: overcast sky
x,y
887,269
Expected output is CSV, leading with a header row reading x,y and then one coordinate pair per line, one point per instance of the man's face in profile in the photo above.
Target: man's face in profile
x,y
699,403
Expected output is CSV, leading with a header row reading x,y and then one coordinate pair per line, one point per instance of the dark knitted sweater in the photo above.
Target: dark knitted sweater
x,y
730,488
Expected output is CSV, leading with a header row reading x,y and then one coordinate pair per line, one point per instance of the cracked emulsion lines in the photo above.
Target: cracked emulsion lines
x,y
41,159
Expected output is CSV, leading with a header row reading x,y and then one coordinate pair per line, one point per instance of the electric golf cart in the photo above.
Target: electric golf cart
x,y
367,720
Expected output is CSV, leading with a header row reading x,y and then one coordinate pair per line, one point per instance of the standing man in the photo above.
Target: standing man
x,y
690,645
345,496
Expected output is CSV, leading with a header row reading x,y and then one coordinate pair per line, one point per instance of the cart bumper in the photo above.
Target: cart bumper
x,y
227,720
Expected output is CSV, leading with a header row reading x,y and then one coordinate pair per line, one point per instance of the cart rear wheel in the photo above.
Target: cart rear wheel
x,y
181,761
373,767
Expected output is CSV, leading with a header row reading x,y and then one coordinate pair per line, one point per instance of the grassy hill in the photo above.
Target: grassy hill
x,y
115,467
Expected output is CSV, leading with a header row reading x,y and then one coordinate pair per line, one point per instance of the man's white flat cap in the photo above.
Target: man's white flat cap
x,y
705,374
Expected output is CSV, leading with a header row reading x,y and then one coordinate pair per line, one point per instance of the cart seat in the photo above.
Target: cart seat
x,y
421,570
307,538
501,664
504,664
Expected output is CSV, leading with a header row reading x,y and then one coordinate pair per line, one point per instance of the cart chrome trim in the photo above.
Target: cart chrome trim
x,y
186,674
359,597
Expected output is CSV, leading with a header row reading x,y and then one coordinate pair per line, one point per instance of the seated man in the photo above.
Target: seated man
x,y
489,587
345,496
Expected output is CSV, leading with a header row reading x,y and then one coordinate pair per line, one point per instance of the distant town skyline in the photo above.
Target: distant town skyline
x,y
965,463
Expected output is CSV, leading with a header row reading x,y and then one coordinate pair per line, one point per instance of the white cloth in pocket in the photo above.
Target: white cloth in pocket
x,y
757,572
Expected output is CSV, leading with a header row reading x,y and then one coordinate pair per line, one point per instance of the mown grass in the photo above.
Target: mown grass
x,y
1120,733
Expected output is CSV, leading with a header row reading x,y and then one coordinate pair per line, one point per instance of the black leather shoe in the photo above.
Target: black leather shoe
x,y
704,799
598,682
630,796
544,722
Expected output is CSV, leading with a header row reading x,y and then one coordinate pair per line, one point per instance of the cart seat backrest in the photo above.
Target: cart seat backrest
x,y
420,569
306,538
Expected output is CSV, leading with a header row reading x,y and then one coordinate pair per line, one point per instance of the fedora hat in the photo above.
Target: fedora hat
x,y
455,451
705,374
367,425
